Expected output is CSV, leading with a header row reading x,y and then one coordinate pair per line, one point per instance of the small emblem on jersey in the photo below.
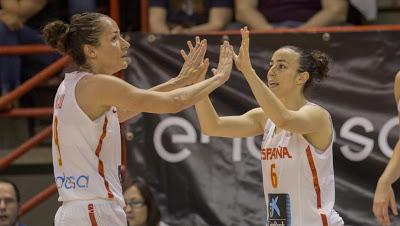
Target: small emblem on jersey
x,y
59,101
275,153
72,182
279,210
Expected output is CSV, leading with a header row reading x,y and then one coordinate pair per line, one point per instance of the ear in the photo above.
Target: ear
x,y
89,51
302,78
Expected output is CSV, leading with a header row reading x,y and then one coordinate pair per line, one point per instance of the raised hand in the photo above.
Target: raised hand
x,y
190,72
242,60
225,61
384,197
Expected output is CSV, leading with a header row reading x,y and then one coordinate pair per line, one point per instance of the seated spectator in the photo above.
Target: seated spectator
x,y
79,6
14,17
189,16
268,14
141,206
9,203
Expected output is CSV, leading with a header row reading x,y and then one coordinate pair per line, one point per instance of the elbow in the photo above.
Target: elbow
x,y
282,121
339,13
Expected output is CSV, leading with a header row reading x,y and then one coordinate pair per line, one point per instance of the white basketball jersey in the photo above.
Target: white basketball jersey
x,y
86,153
298,180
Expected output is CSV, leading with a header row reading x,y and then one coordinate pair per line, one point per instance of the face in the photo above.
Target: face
x,y
283,75
111,55
136,210
8,205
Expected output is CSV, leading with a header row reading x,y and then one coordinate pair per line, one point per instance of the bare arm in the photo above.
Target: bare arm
x,y
333,12
384,195
248,124
158,20
184,78
311,121
219,17
247,13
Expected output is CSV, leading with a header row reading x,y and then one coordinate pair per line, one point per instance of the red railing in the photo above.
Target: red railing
x,y
49,71
33,82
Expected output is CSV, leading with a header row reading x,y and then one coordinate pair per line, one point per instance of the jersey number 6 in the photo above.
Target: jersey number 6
x,y
274,177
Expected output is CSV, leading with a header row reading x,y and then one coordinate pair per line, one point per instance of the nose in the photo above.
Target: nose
x,y
128,209
2,204
126,43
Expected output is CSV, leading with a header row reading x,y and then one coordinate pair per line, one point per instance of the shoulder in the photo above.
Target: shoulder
x,y
316,111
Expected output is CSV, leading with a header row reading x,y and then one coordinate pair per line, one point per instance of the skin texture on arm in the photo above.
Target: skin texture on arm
x,y
158,20
247,13
384,195
311,121
96,94
249,124
333,12
183,79
219,17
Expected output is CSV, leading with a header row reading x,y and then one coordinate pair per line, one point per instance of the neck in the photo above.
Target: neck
x,y
95,70
293,101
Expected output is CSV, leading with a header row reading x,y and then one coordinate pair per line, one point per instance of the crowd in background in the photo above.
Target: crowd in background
x,y
21,22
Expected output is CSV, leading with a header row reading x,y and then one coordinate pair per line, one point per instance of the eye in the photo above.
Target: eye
x,y
281,66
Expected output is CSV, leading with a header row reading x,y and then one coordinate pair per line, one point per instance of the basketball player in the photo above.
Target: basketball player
x,y
90,104
384,195
296,154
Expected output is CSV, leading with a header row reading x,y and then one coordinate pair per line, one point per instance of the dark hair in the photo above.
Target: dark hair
x,y
153,210
315,62
14,187
70,38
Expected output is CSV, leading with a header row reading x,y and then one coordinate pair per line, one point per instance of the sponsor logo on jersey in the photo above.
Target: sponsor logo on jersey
x,y
275,153
279,210
72,182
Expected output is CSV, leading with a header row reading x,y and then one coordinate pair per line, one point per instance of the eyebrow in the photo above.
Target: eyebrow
x,y
278,61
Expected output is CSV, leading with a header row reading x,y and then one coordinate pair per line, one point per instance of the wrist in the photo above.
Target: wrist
x,y
248,71
384,181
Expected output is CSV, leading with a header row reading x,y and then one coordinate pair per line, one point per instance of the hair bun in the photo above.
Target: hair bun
x,y
321,63
55,35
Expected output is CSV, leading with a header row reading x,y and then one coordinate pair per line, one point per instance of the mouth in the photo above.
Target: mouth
x,y
272,84
3,218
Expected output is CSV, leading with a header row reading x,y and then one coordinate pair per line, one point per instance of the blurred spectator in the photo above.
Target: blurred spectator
x,y
13,31
9,203
141,206
79,6
267,14
189,16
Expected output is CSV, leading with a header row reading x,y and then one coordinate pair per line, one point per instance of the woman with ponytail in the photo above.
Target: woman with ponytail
x,y
89,105
296,151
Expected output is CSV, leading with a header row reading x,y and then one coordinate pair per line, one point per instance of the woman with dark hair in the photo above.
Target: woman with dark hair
x,y
296,154
90,104
141,206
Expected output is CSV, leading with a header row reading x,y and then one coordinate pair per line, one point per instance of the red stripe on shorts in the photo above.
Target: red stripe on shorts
x,y
91,215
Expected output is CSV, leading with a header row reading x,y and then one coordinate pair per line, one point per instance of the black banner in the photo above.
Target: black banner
x,y
215,181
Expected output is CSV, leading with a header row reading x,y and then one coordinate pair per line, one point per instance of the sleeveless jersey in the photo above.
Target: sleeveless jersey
x,y
86,153
298,180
